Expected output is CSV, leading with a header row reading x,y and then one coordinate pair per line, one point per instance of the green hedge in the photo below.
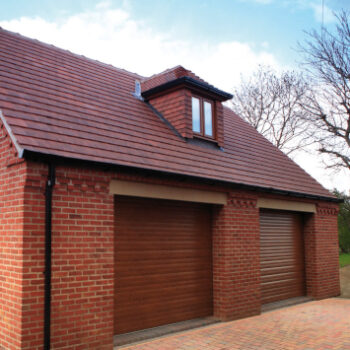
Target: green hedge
x,y
344,259
344,222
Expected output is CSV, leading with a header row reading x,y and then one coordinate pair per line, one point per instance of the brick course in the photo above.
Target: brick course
x,y
12,177
322,252
236,267
33,256
83,260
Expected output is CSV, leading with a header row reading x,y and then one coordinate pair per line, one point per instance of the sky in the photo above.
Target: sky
x,y
220,40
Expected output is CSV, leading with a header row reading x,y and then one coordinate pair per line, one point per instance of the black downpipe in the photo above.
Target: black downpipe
x,y
48,237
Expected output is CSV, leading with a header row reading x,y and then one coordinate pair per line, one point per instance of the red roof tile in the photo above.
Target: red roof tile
x,y
67,105
166,76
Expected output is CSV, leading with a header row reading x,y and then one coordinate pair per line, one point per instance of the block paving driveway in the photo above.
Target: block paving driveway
x,y
314,325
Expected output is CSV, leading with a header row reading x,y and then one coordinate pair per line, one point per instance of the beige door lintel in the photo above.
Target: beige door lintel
x,y
138,189
270,203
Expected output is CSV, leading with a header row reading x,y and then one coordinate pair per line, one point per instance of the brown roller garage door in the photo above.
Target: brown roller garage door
x,y
282,256
163,271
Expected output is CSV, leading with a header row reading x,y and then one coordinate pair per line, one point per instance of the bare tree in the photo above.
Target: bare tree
x,y
272,104
327,55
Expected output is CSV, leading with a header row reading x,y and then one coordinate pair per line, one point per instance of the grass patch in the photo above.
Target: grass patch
x,y
344,259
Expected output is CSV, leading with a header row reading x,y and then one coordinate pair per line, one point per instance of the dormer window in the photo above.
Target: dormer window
x,y
192,107
202,117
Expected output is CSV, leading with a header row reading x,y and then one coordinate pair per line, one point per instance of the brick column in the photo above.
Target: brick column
x,y
236,260
322,252
12,181
82,310
33,257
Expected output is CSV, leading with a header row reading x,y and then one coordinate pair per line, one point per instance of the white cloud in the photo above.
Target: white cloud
x,y
322,13
313,163
112,36
103,4
265,45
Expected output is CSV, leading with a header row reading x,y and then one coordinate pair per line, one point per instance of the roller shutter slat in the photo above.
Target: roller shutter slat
x,y
281,256
163,263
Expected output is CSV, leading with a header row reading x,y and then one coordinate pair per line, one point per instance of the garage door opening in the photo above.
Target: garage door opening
x,y
163,262
281,256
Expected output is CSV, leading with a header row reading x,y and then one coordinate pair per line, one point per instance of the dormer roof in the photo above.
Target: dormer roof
x,y
167,76
179,76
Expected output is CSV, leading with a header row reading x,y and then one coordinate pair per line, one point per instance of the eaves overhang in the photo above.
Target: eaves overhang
x,y
19,149
188,82
40,156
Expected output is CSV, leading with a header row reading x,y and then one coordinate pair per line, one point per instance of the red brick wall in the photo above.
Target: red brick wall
x,y
21,249
82,260
12,178
83,254
236,251
322,252
33,257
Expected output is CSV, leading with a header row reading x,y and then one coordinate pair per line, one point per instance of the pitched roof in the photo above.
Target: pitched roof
x,y
62,104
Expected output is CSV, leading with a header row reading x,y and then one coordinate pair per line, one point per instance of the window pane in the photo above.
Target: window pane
x,y
196,116
208,119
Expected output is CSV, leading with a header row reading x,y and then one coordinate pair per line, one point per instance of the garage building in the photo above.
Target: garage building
x,y
130,202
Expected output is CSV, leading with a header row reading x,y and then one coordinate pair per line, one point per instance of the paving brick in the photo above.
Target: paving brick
x,y
317,325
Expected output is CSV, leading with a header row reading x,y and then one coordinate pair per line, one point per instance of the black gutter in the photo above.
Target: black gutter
x,y
51,179
191,82
40,157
